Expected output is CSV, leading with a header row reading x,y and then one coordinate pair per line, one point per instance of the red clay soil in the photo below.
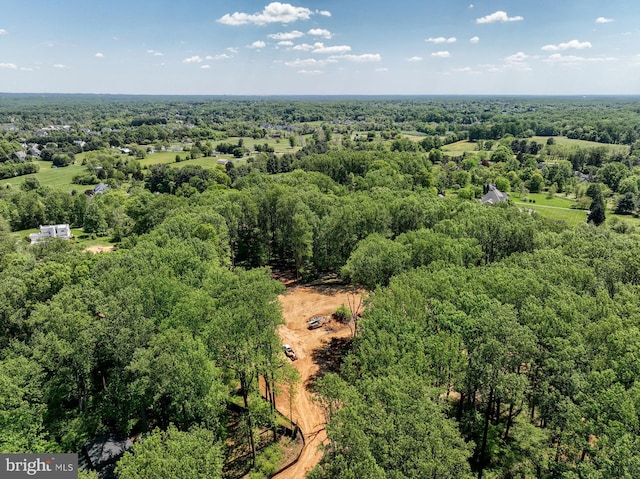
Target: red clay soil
x,y
300,304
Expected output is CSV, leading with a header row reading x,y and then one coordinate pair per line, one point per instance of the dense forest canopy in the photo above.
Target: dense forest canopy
x,y
495,342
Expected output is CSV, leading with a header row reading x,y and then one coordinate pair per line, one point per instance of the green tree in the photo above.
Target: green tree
x,y
192,454
375,260
597,208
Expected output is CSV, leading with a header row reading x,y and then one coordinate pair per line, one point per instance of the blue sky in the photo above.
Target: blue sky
x,y
248,47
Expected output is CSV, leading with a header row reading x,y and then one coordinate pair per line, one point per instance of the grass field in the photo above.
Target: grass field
x,y
564,141
57,178
460,147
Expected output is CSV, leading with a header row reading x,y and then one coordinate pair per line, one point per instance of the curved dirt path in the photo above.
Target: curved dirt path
x,y
300,304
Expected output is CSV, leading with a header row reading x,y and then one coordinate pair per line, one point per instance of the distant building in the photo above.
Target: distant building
x,y
100,188
20,155
222,161
493,195
51,231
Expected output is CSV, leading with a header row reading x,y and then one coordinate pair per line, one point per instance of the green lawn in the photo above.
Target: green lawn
x,y
564,141
543,199
80,238
459,148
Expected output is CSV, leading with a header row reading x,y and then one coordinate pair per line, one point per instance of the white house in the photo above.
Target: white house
x,y
51,231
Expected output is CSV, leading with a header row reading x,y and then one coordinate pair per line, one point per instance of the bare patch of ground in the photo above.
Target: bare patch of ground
x,y
95,249
316,350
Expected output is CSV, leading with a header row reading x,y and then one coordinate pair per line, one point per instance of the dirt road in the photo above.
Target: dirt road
x,y
299,305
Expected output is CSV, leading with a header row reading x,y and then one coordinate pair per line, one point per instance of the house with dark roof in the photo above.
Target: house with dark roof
x,y
493,195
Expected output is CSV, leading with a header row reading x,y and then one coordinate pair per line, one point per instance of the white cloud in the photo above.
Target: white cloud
x,y
310,72
286,35
499,17
205,67
463,70
516,57
26,69
308,62
320,32
574,59
60,66
257,44
194,59
9,66
304,47
324,13
604,20
382,69
444,54
516,62
474,40
441,40
573,44
365,57
155,53
275,12
334,50
414,59
471,5
3,32
222,56
99,55
232,50
285,43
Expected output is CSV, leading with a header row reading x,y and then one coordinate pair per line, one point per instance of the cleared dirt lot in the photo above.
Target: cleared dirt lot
x,y
300,304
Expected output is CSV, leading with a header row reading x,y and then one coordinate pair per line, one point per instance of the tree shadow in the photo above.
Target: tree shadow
x,y
329,358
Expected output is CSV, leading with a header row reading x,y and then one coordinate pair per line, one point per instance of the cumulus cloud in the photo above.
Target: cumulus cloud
x,y
365,57
415,59
320,32
324,13
59,66
441,40
573,44
499,17
285,43
444,54
257,44
9,66
334,49
3,32
303,47
275,12
308,62
310,72
232,50
286,35
205,67
604,20
474,40
516,57
193,59
155,53
517,62
99,55
222,56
